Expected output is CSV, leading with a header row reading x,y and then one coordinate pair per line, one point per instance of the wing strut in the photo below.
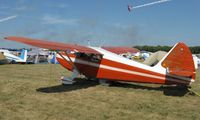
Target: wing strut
x,y
69,80
71,62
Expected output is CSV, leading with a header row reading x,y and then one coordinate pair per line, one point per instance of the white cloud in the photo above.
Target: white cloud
x,y
8,18
59,5
48,19
62,5
4,7
22,8
15,8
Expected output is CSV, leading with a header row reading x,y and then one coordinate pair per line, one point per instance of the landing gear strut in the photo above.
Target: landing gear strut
x,y
69,80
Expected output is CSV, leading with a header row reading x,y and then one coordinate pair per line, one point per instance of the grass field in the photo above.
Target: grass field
x,y
34,92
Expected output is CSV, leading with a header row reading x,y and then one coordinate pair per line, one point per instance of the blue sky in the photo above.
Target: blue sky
x,y
102,22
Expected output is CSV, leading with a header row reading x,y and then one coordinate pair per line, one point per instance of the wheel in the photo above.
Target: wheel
x,y
104,82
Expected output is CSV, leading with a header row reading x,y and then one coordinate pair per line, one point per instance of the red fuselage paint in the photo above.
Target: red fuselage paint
x,y
116,71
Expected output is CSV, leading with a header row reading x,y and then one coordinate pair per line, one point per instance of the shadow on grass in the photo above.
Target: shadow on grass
x,y
80,83
167,90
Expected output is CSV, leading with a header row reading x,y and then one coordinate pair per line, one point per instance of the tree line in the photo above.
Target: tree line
x,y
194,49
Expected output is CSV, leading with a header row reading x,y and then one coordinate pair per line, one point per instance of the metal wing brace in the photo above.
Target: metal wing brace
x,y
70,60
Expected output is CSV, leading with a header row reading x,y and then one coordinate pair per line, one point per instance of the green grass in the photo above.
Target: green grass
x,y
34,92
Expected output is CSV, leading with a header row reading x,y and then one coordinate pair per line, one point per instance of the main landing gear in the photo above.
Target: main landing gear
x,y
70,80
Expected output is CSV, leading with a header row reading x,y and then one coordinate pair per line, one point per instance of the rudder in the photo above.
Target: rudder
x,y
179,61
23,55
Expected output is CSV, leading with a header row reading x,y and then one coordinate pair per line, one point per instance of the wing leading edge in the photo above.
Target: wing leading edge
x,y
52,45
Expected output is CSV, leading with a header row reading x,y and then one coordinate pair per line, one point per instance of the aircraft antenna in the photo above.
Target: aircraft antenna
x,y
89,43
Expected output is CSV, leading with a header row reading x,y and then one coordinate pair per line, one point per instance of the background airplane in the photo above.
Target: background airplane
x,y
13,58
130,7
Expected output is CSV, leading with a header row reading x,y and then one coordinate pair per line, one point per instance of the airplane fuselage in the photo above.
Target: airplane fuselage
x,y
110,66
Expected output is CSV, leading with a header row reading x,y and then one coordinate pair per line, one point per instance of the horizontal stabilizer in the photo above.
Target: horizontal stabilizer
x,y
181,73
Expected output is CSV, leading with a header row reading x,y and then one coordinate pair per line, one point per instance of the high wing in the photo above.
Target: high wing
x,y
120,50
52,45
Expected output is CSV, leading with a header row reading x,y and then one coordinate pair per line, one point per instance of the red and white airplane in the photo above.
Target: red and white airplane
x,y
177,67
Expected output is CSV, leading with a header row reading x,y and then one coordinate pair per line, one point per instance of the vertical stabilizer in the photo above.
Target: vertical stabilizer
x,y
23,55
179,61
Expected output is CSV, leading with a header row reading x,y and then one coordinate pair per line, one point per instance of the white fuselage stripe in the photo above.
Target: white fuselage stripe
x,y
115,69
131,72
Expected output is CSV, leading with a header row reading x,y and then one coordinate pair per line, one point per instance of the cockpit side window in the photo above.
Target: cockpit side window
x,y
90,57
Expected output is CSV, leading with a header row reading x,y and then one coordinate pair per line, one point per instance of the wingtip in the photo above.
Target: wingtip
x,y
10,37
7,37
